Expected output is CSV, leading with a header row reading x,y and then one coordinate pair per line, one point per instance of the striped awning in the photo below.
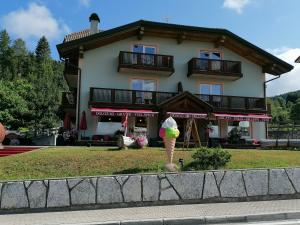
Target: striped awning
x,y
122,112
243,117
187,115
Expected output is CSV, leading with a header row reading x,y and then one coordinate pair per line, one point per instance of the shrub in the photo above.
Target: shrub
x,y
210,158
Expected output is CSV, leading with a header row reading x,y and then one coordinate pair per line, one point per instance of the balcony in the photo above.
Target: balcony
x,y
210,68
132,62
224,103
106,97
123,97
68,100
71,75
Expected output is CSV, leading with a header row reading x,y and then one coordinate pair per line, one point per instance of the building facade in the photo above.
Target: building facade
x,y
146,71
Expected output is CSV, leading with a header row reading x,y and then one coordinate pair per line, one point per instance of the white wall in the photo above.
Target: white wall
x,y
259,130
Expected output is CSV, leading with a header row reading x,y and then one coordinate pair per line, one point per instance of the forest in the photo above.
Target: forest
x,y
31,83
285,108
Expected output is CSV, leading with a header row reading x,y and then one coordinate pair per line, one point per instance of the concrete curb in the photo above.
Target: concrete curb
x,y
203,220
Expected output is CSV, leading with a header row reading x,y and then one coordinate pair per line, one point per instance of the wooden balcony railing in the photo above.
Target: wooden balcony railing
x,y
131,97
224,102
110,97
70,70
68,99
143,61
215,67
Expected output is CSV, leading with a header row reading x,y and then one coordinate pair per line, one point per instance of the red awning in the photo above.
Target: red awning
x,y
246,117
122,112
187,115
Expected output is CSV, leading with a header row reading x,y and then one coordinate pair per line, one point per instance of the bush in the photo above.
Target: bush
x,y
210,158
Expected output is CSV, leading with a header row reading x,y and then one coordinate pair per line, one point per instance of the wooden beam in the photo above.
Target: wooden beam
x,y
181,36
141,32
81,51
220,41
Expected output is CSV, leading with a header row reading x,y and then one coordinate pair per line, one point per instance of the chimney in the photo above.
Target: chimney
x,y
94,20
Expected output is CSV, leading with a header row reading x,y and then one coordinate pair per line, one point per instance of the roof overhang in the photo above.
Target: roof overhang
x,y
267,61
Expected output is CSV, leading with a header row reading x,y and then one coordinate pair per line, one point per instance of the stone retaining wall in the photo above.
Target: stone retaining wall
x,y
147,189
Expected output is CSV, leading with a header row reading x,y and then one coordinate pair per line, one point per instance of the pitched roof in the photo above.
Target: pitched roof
x,y
269,63
186,101
77,35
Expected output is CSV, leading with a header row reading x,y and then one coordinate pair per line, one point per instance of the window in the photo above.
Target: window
x,y
244,126
108,125
209,60
145,59
211,89
210,55
144,90
140,122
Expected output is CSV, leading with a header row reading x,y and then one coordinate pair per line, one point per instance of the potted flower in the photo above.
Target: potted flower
x,y
141,141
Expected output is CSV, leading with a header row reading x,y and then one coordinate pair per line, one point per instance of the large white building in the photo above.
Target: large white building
x,y
148,70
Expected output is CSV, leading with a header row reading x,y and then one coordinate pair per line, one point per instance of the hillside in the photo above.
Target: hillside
x,y
285,107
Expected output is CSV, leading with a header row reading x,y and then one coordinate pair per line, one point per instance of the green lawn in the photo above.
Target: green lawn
x,y
83,161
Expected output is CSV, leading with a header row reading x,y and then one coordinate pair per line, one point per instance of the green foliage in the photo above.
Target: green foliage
x,y
15,103
295,111
282,106
210,158
30,85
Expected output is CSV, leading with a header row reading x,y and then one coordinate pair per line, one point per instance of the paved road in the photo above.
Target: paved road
x,y
207,212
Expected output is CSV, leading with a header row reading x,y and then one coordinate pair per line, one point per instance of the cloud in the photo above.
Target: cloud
x,y
85,3
33,22
289,81
236,5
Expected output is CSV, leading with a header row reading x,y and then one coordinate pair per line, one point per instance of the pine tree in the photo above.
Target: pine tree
x,y
20,58
47,90
6,67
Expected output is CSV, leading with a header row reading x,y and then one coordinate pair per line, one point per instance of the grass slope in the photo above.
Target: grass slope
x,y
65,162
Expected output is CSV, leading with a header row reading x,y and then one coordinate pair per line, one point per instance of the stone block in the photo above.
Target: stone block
x,y
14,196
219,176
294,175
187,185
168,194
108,191
121,179
232,185
83,193
72,182
58,195
210,189
37,194
150,188
256,182
132,189
164,183
27,183
280,183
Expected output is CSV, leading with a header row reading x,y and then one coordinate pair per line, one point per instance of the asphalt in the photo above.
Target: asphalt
x,y
193,214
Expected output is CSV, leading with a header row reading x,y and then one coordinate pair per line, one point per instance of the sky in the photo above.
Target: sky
x,y
272,25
